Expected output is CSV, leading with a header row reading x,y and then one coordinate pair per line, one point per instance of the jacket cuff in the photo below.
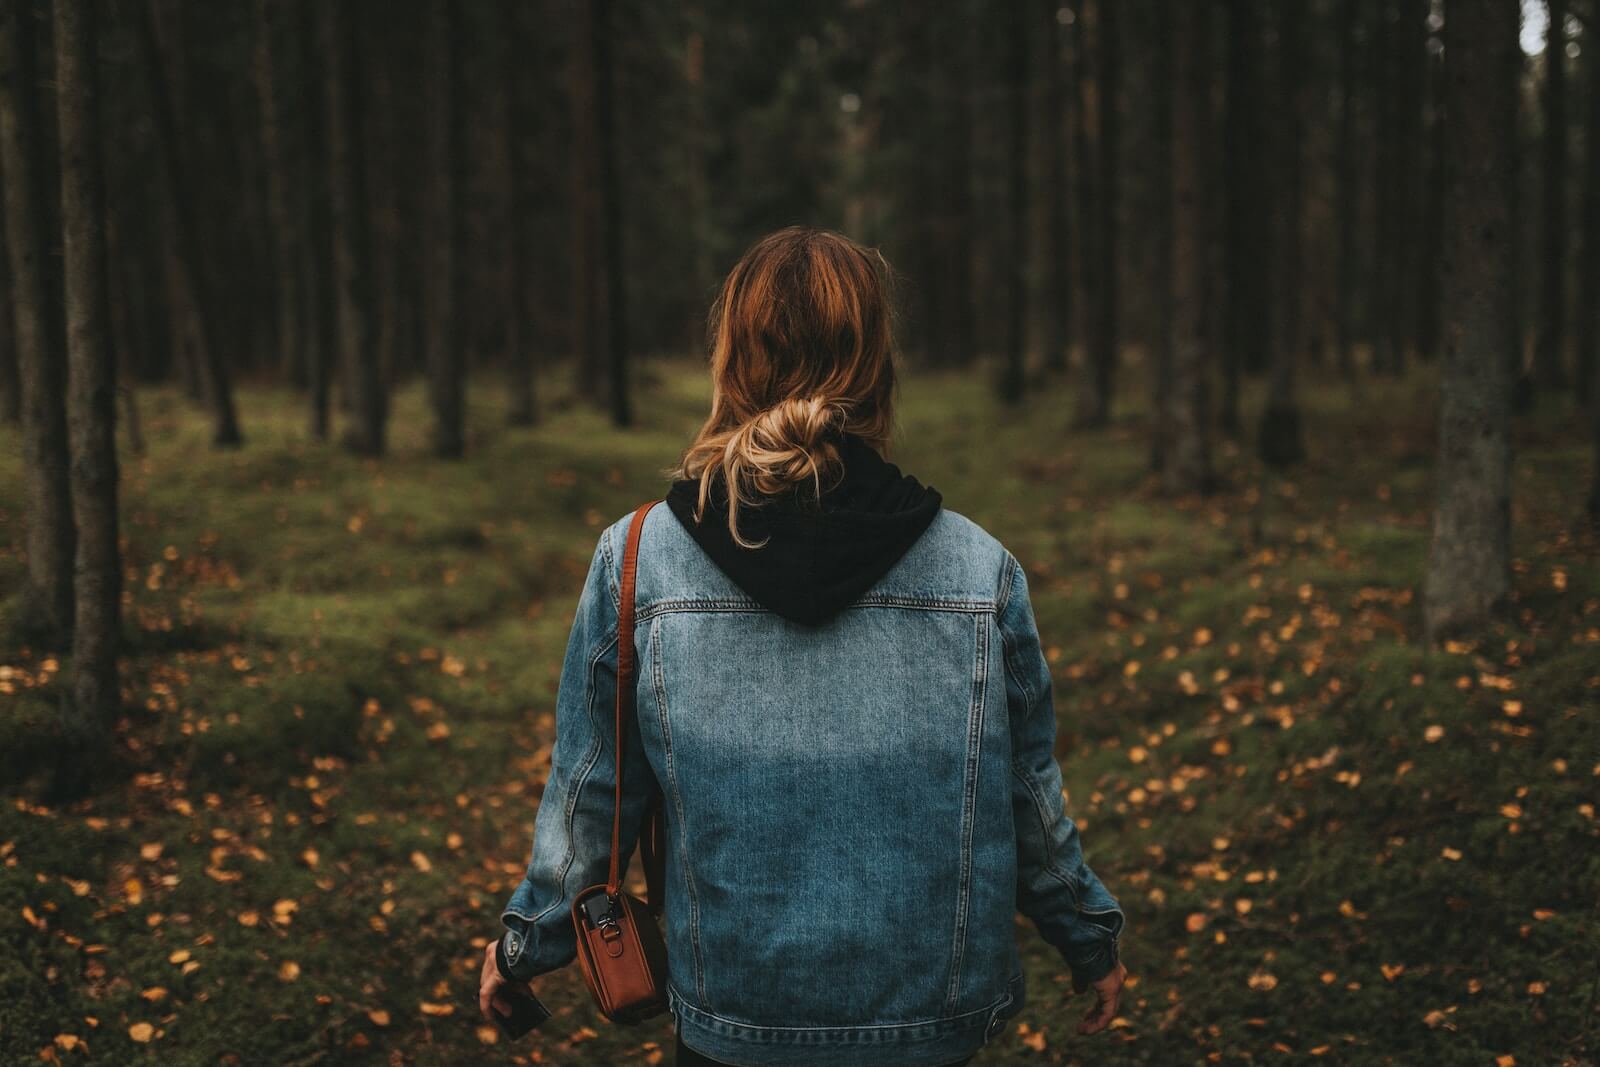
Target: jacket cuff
x,y
1091,959
509,954
1089,971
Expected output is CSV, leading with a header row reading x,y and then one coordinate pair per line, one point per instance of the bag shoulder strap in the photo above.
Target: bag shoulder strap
x,y
626,687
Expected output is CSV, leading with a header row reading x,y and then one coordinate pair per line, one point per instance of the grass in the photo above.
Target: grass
x,y
1331,840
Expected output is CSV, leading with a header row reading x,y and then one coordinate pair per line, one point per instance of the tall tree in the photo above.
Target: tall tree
x,y
613,270
10,380
1402,88
446,362
1082,150
1282,441
47,596
1169,66
274,154
1469,560
1058,193
1094,402
955,332
389,178
585,326
1589,308
1012,379
352,248
1248,251
89,706
181,214
1427,327
515,16
1186,466
1548,353
316,259
1348,213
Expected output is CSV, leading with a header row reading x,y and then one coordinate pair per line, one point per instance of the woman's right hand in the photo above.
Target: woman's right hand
x,y
1107,992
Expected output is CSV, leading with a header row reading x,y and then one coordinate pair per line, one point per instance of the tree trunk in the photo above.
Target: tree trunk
x,y
1413,44
698,179
1281,441
1012,378
446,366
1168,67
523,409
1549,354
317,326
613,270
959,343
352,249
1469,561
1589,307
47,597
1348,219
586,329
274,158
1187,465
385,168
1082,144
179,203
89,705
1094,407
10,382
1058,197
1248,251
1427,328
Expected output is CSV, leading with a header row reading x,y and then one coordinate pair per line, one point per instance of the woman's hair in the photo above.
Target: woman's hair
x,y
801,352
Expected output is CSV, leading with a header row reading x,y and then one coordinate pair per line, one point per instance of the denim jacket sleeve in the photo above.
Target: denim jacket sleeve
x,y
1056,890
572,831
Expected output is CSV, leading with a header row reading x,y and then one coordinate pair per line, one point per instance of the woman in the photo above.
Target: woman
x,y
842,694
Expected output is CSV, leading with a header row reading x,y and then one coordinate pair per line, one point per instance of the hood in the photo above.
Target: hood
x,y
817,560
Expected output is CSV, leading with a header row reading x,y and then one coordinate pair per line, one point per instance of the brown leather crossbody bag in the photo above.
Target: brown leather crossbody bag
x,y
620,948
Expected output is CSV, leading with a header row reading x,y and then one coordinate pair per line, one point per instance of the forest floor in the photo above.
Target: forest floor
x,y
1330,840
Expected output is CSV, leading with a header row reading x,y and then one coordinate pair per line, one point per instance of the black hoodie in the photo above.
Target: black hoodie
x,y
822,554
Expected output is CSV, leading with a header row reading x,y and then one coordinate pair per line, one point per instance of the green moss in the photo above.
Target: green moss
x,y
341,672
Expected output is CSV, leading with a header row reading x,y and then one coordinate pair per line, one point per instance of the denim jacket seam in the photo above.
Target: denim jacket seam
x,y
591,759
969,803
1007,642
1049,866
658,683
1003,1001
738,605
679,605
608,564
1007,577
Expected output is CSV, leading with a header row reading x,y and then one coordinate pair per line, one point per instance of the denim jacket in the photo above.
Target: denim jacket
x,y
855,811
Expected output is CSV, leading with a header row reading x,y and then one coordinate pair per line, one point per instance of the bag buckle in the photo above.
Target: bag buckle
x,y
601,911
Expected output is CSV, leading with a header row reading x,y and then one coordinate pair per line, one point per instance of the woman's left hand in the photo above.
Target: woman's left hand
x,y
491,983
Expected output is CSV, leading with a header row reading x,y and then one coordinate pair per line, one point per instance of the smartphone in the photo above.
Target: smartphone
x,y
526,1011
